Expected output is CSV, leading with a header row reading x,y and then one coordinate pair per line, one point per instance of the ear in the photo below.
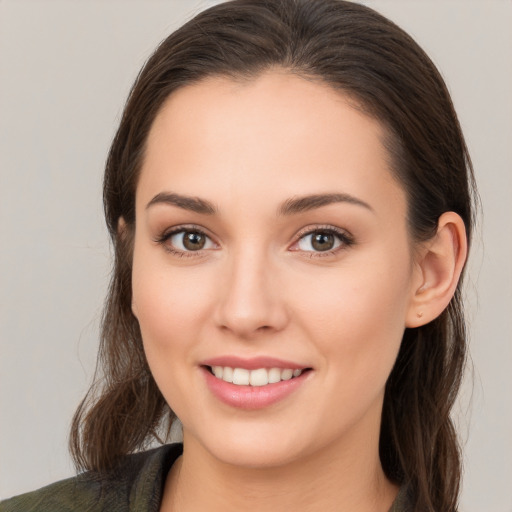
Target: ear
x,y
121,227
438,268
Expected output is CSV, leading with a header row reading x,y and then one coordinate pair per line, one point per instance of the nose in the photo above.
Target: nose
x,y
252,301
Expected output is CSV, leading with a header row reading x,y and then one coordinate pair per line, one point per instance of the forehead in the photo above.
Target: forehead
x,y
274,135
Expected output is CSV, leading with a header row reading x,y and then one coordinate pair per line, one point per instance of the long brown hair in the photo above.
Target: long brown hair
x,y
360,53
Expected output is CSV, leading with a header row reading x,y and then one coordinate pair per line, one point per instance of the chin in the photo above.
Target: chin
x,y
254,448
258,456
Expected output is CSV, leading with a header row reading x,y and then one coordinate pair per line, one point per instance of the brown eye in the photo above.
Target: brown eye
x,y
322,241
189,241
193,241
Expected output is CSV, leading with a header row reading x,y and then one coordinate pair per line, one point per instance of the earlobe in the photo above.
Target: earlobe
x,y
121,227
439,266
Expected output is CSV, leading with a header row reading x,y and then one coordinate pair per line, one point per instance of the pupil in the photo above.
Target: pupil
x,y
323,241
193,241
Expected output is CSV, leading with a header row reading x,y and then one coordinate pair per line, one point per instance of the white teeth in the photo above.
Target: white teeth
x,y
286,374
227,374
241,377
274,375
259,377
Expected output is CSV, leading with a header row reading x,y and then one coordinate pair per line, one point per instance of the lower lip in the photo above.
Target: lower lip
x,y
252,397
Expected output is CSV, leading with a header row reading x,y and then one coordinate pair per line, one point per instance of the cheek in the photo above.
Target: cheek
x,y
169,303
357,332
170,307
357,318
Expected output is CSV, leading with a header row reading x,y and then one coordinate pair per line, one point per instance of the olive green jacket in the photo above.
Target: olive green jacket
x,y
136,486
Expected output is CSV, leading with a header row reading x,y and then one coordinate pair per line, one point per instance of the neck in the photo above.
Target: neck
x,y
333,478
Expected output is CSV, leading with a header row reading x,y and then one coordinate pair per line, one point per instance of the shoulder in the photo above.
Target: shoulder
x,y
135,484
78,493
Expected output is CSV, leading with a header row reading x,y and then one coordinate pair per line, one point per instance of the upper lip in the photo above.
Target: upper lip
x,y
252,363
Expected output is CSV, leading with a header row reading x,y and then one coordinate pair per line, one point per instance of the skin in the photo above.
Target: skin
x,y
259,288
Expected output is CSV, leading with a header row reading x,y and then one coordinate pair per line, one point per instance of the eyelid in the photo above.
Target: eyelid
x,y
322,227
174,230
345,237
168,232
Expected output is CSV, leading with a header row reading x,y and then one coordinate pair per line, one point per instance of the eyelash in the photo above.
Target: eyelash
x,y
167,235
346,240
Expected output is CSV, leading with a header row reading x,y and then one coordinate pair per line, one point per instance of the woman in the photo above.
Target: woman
x,y
290,200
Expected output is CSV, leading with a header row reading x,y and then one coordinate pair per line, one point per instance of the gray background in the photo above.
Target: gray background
x,y
65,68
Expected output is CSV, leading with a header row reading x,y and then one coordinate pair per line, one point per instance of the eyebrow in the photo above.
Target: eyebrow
x,y
305,203
291,206
194,204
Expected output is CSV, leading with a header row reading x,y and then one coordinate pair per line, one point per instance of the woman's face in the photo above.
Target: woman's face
x,y
270,236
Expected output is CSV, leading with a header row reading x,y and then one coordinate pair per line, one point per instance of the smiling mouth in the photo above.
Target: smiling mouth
x,y
257,377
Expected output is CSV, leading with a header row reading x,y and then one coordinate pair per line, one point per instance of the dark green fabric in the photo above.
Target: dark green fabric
x,y
402,502
136,486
